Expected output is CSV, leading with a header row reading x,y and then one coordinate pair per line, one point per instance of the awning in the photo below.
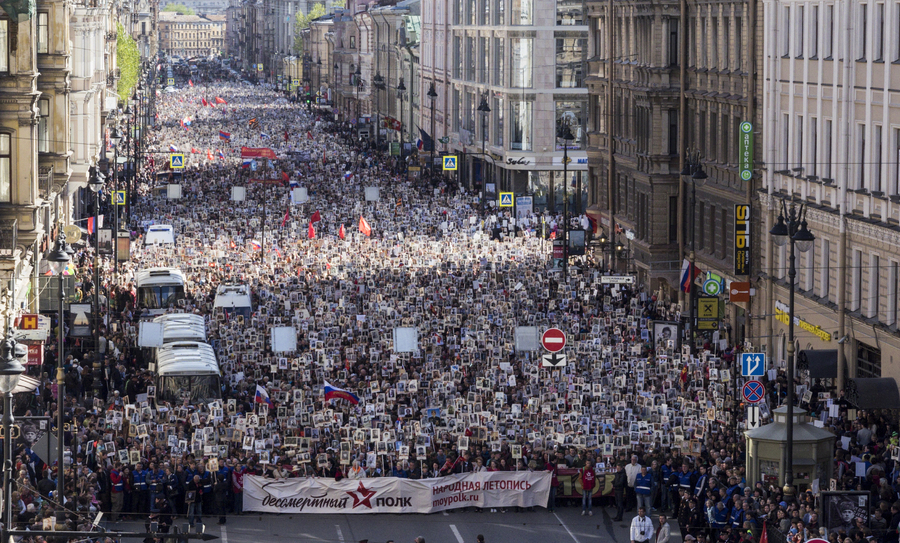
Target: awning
x,y
821,364
874,393
26,384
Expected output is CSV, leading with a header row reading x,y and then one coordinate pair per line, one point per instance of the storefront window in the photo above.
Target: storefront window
x,y
571,112
521,12
570,62
520,113
521,62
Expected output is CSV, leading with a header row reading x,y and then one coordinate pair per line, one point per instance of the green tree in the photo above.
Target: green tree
x,y
339,4
128,59
179,8
302,23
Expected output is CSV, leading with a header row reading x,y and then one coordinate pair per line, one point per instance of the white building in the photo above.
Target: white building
x,y
835,147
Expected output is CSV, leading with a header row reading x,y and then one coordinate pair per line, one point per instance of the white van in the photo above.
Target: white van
x,y
187,370
160,234
233,300
158,289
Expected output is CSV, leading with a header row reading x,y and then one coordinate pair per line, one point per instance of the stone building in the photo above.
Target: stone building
x,y
191,35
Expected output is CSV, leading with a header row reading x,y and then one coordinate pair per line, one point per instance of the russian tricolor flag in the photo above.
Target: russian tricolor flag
x,y
173,149
224,135
245,163
262,396
255,245
334,393
689,272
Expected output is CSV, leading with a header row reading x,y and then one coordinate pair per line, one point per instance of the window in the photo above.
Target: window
x,y
571,113
825,270
497,109
673,219
42,24
874,280
673,42
569,13
698,220
863,30
484,59
726,57
856,279
813,147
520,64
786,141
814,33
521,13
500,17
472,12
714,132
352,42
738,42
861,156
673,131
798,147
457,57
878,37
798,39
875,174
892,293
786,32
520,112
44,125
498,62
868,361
809,276
826,150
570,62
895,179
827,34
4,45
470,59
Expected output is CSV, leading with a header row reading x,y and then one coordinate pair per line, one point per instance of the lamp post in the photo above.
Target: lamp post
x,y
484,108
796,233
565,133
432,94
693,170
378,83
58,259
318,80
115,138
359,84
10,371
401,93
96,185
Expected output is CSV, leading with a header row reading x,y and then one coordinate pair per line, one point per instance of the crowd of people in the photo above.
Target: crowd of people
x,y
345,271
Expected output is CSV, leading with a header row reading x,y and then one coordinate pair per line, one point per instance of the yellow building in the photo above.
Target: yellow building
x,y
191,35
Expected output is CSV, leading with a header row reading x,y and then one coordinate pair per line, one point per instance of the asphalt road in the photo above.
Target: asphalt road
x,y
566,525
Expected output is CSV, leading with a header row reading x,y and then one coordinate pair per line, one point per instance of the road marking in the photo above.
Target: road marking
x,y
446,514
575,539
224,535
340,534
456,533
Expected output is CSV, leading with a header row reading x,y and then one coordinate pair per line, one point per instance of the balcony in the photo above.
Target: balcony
x,y
45,181
9,232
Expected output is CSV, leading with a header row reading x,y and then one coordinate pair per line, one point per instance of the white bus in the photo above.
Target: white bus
x,y
158,289
159,234
182,327
234,300
187,370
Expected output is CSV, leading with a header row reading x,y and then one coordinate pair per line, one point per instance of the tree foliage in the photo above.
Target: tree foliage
x,y
179,8
128,59
302,23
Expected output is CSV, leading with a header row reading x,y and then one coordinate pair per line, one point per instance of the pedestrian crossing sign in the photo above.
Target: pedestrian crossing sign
x,y
450,162
506,199
176,161
119,197
171,82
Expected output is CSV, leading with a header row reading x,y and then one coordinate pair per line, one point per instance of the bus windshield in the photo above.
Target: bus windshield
x,y
195,388
160,297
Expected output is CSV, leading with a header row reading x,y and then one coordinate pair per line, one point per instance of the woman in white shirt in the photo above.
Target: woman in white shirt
x,y
355,471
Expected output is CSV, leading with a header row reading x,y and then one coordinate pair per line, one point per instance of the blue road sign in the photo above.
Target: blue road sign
x,y
753,364
754,391
119,197
450,162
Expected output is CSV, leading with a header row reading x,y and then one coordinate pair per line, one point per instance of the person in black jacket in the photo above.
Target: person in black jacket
x,y
620,481
220,491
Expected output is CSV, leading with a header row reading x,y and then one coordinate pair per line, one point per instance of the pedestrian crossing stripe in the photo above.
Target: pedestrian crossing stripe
x,y
450,162
506,199
176,161
119,197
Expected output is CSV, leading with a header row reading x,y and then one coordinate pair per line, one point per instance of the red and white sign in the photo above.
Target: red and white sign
x,y
554,340
395,495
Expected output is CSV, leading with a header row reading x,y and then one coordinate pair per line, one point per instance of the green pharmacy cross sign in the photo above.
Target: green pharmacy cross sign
x,y
745,147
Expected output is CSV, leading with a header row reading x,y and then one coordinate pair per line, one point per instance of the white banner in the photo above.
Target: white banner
x,y
393,495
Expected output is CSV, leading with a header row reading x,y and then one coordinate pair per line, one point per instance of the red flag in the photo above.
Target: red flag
x,y
233,245
552,235
764,537
204,102
209,154
364,226
315,217
194,151
311,234
285,135
190,82
341,233
309,135
285,176
287,215
90,225
220,101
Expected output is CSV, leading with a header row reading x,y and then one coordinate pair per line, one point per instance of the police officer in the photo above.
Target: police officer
x,y
643,484
140,490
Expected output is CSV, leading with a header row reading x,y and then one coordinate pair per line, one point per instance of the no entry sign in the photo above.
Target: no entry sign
x,y
554,340
754,391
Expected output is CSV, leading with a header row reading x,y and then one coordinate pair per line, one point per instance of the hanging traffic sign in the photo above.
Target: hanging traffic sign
x,y
553,360
449,162
753,364
176,161
119,197
554,340
752,417
754,391
506,199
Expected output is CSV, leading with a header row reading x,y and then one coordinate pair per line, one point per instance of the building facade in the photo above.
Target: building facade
x,y
191,35
832,143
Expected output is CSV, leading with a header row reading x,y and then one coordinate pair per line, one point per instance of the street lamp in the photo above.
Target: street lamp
x,y
432,94
484,108
318,79
401,93
795,232
96,185
115,137
378,83
10,371
693,170
359,86
59,259
565,133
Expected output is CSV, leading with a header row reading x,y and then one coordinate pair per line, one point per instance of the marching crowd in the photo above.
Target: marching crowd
x,y
656,429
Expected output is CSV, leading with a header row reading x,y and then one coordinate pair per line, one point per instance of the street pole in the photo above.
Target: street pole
x,y
96,185
432,94
566,135
401,91
58,258
693,169
10,371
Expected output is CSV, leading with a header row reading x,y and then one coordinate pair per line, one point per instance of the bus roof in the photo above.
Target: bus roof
x,y
182,327
232,296
186,358
158,276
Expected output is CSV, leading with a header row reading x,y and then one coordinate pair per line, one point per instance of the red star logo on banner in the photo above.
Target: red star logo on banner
x,y
362,496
